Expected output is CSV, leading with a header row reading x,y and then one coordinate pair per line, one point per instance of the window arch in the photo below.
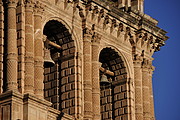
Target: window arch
x,y
114,100
59,79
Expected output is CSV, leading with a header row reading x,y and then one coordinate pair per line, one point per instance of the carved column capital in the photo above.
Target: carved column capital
x,y
39,9
137,59
11,1
106,21
87,34
29,4
96,37
146,64
113,24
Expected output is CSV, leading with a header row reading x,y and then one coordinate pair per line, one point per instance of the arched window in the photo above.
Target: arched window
x,y
59,79
114,100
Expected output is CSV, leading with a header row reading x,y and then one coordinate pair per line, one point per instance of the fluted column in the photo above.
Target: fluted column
x,y
11,58
1,44
138,87
38,52
152,115
87,74
29,47
146,95
95,77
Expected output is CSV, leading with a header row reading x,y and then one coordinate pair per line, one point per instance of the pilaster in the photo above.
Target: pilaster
x,y
20,14
11,56
152,115
38,52
145,88
138,87
87,74
35,108
95,77
79,112
11,106
29,47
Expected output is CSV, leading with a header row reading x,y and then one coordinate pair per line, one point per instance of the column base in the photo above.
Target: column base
x,y
11,106
15,106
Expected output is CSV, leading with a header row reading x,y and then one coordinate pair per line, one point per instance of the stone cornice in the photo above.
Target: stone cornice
x,y
117,21
134,19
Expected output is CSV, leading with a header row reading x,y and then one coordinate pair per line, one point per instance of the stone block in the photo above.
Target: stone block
x,y
64,80
72,94
72,110
71,78
117,72
72,70
68,71
64,46
109,99
65,52
116,112
73,86
70,44
72,50
117,89
71,63
64,64
121,111
108,92
124,103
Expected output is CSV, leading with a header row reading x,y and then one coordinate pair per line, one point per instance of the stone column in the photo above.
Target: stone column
x,y
95,77
152,115
141,5
87,74
146,95
29,48
11,58
138,87
21,44
38,52
137,5
1,44
124,3
79,86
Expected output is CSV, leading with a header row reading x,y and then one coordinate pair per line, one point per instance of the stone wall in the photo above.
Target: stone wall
x,y
86,39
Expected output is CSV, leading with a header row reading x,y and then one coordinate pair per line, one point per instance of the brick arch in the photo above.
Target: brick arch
x,y
59,80
114,100
74,34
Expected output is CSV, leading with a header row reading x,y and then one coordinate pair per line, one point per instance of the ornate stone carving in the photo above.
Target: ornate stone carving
x,y
138,59
29,4
38,8
11,1
146,63
106,21
103,25
101,15
96,38
87,33
95,11
113,25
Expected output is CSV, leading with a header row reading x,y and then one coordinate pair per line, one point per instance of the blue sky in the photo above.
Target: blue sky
x,y
166,77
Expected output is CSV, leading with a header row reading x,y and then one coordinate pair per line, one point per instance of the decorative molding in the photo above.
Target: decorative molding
x,y
96,38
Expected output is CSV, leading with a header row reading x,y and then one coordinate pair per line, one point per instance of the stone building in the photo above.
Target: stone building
x,y
77,60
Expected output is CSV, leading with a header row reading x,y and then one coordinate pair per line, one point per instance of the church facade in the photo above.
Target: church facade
x,y
77,60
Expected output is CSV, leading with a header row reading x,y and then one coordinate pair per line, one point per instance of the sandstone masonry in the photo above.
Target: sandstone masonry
x,y
101,52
